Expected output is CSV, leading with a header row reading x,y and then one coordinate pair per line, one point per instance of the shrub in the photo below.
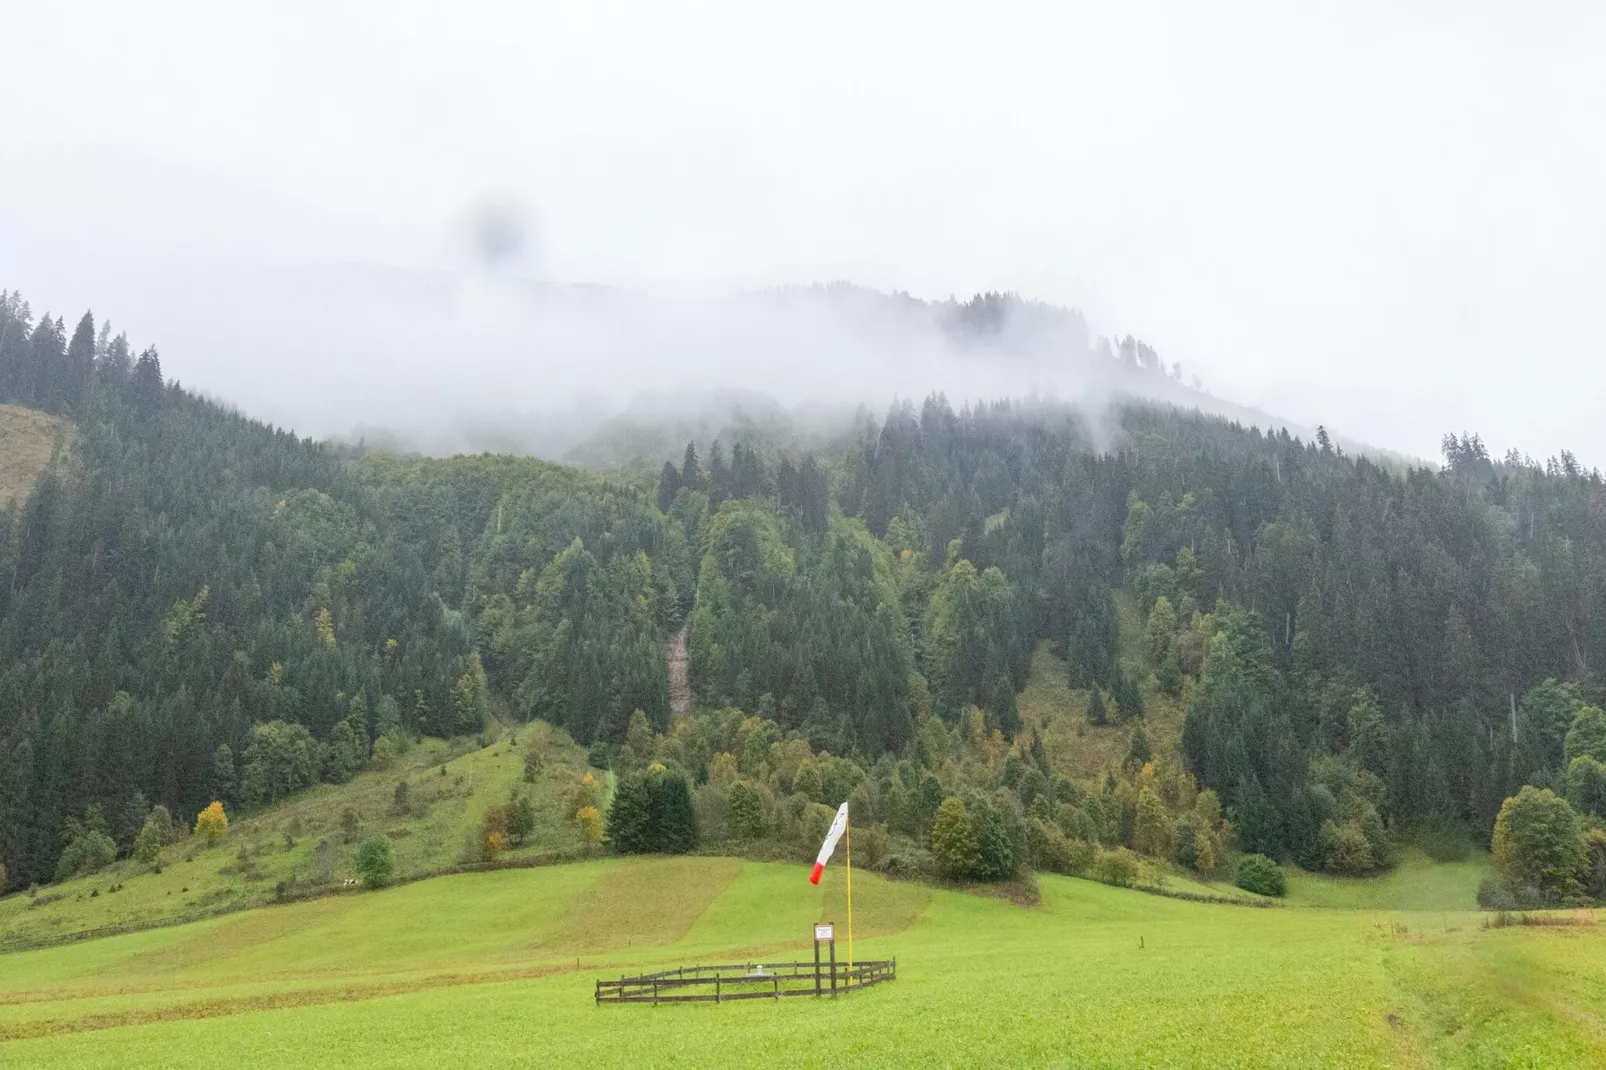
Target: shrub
x,y
1050,849
520,820
384,752
1118,867
1261,875
1345,848
350,825
211,823
399,805
88,853
872,844
535,750
1537,842
148,844
493,832
909,863
1078,856
375,862
1494,893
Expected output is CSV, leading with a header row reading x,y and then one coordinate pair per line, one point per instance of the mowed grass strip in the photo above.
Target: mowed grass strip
x,y
641,902
772,907
227,1006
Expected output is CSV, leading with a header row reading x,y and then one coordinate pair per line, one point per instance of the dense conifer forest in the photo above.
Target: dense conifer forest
x,y
197,606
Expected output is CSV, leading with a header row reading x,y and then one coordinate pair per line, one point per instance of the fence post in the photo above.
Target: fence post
x,y
776,978
655,993
716,990
816,967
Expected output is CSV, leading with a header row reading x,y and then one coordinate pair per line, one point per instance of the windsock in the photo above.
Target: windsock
x,y
838,825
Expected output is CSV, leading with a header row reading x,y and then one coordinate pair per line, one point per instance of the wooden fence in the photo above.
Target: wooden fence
x,y
716,984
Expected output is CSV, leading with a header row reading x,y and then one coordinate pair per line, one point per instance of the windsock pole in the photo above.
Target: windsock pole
x,y
850,894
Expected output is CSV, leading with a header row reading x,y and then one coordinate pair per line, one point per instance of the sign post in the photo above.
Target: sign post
x,y
826,933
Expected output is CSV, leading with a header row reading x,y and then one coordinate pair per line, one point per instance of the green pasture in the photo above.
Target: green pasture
x,y
496,969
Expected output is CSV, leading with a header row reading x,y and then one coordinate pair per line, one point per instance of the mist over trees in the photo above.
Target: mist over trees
x,y
198,607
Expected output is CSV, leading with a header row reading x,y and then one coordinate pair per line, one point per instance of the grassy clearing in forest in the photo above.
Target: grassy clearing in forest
x,y
1059,712
284,843
28,440
480,969
1415,883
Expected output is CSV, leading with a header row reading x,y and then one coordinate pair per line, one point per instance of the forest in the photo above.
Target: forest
x,y
197,606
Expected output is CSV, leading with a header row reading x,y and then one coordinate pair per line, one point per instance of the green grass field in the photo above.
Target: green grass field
x,y
496,969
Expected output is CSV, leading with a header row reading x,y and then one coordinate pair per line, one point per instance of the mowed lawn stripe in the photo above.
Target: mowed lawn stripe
x,y
266,1001
641,902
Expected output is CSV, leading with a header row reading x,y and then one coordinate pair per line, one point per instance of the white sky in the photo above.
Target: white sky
x,y
1388,217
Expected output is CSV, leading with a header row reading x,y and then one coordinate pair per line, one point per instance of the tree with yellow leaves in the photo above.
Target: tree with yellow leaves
x,y
211,823
589,823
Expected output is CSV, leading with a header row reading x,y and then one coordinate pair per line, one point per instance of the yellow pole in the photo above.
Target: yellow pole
x,y
850,894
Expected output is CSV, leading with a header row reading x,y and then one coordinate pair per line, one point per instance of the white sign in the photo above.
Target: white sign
x,y
824,932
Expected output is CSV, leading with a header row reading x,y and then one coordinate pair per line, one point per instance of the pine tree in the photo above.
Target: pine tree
x,y
225,781
43,379
79,366
1096,713
148,381
690,477
674,818
718,476
669,483
630,816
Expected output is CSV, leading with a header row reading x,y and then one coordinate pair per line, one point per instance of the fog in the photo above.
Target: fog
x,y
495,226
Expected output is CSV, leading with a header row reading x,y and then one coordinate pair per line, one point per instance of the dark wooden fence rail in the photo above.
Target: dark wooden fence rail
x,y
748,980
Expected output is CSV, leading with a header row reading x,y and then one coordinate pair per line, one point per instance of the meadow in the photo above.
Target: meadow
x,y
497,968
309,843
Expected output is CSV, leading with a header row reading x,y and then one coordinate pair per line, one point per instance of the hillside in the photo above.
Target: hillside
x,y
28,440
307,846
1086,634
497,968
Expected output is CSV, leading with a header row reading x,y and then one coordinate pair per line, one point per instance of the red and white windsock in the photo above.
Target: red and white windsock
x,y
838,825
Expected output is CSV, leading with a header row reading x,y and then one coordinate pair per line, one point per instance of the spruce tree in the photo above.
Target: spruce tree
x,y
45,371
673,816
79,366
689,474
669,483
148,381
1096,713
630,816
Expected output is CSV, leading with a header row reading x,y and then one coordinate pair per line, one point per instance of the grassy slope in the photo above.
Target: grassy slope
x,y
480,969
27,441
197,879
1415,883
1059,712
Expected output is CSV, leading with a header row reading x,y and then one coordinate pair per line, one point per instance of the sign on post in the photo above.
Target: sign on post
x,y
824,933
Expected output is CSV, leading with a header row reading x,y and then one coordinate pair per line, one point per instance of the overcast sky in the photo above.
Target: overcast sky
x,y
1387,217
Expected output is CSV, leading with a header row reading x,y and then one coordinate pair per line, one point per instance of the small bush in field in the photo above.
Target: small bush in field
x,y
1261,875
